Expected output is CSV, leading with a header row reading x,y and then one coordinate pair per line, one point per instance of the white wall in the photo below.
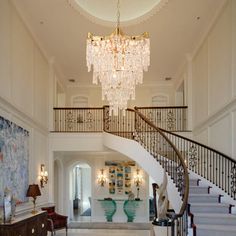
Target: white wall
x,y
214,83
24,76
93,93
144,95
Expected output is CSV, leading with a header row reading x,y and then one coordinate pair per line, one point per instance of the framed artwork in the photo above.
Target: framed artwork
x,y
127,179
14,160
119,179
112,180
120,176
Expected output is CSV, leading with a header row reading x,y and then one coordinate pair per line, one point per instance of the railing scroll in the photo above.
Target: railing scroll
x,y
172,118
78,119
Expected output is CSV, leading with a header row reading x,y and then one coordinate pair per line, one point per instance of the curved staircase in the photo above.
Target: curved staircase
x,y
208,214
137,127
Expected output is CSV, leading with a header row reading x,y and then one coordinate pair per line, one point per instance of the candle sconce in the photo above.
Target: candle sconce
x,y
43,176
101,178
138,179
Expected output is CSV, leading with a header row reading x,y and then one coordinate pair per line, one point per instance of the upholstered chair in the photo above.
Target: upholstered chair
x,y
55,220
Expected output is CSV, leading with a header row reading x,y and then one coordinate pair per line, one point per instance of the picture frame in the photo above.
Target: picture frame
x,y
14,159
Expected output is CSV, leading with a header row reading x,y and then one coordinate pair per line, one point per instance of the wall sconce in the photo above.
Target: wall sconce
x,y
138,178
101,178
43,176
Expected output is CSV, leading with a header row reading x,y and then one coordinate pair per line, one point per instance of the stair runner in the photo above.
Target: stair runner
x,y
209,217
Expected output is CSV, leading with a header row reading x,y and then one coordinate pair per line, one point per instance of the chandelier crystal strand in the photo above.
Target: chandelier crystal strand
x,y
118,62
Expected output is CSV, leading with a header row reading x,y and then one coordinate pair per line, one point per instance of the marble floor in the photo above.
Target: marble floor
x,y
103,232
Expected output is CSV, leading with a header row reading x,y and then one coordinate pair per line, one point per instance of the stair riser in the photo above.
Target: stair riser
x,y
204,209
214,221
204,232
208,199
193,182
199,190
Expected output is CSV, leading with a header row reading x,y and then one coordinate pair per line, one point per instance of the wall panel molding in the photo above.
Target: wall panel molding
x,y
220,60
220,134
13,111
229,107
234,48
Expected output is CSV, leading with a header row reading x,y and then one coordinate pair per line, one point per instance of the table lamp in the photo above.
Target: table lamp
x,y
33,191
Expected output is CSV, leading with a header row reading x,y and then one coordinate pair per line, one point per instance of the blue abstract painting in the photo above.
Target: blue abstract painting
x,y
14,160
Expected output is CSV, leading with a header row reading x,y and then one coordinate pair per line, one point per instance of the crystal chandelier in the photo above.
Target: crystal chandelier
x,y
118,62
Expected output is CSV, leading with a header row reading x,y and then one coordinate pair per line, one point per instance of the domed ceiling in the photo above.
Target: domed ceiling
x,y
105,11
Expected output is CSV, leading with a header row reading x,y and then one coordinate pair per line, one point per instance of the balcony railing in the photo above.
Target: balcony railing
x,y
172,118
91,119
78,119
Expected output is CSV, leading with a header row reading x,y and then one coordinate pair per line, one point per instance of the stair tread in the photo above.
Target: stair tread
x,y
208,204
217,227
198,186
215,215
203,194
192,178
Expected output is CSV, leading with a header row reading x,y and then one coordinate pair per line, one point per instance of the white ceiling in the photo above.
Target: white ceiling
x,y
174,32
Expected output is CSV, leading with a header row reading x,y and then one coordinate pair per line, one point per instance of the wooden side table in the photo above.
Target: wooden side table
x,y
26,225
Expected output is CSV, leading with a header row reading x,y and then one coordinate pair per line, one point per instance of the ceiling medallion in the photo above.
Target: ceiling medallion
x,y
118,62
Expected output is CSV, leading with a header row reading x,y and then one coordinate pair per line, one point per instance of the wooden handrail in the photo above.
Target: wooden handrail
x,y
165,107
186,177
78,108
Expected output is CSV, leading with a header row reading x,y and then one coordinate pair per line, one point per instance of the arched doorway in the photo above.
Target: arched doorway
x,y
79,101
160,100
80,182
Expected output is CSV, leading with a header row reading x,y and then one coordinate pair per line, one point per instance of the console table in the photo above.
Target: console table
x,y
109,207
26,225
129,208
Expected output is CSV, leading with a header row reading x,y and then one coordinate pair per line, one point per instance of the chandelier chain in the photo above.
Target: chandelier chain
x,y
118,14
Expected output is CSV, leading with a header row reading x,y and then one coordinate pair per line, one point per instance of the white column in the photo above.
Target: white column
x,y
51,94
50,175
189,92
162,230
